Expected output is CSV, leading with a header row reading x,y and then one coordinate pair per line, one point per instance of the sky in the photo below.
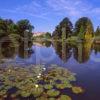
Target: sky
x,y
44,15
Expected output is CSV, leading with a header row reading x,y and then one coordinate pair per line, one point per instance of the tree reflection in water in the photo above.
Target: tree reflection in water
x,y
63,50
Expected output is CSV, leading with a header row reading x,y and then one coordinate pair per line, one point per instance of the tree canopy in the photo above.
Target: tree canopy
x,y
85,24
64,29
97,33
20,29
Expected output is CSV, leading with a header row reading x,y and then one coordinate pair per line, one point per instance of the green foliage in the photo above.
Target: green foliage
x,y
97,33
21,29
81,34
63,30
65,97
27,83
77,90
48,86
53,93
84,27
24,28
47,35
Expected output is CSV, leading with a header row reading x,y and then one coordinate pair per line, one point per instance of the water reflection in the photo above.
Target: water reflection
x,y
63,50
7,50
81,52
96,48
25,51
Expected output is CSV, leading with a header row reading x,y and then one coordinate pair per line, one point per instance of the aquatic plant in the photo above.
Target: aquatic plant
x,y
53,93
63,86
77,90
37,91
65,97
41,98
51,99
48,86
37,81
24,94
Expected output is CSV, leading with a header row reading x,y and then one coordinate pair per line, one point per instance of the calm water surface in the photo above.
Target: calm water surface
x,y
82,59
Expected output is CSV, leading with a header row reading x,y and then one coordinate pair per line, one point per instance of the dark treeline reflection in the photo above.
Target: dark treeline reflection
x,y
63,50
80,52
9,50
96,48
25,50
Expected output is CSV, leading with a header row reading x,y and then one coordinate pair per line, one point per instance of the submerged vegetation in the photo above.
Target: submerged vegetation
x,y
37,82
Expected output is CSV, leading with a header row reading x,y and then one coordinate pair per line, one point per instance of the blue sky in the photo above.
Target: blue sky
x,y
46,14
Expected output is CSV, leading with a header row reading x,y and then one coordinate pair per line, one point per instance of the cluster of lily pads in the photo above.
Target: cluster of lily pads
x,y
37,81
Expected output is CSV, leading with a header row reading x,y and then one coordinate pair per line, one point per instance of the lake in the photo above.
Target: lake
x,y
83,59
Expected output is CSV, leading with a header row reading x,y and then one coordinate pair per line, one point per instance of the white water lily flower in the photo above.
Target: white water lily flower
x,y
38,76
36,85
44,68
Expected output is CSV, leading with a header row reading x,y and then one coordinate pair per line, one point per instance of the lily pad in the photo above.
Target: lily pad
x,y
65,97
37,91
25,94
63,86
52,99
41,98
77,90
53,93
48,86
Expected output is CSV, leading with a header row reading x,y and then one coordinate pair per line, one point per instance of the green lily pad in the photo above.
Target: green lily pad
x,y
48,86
41,98
53,93
25,94
64,97
63,86
37,91
52,99
77,90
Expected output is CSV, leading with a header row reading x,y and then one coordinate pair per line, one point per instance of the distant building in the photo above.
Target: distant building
x,y
38,33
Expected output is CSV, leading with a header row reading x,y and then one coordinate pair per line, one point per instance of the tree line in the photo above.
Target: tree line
x,y
83,29
22,29
19,31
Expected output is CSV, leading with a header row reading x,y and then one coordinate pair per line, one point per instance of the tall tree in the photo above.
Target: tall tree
x,y
65,25
97,33
7,27
24,28
15,31
87,26
48,35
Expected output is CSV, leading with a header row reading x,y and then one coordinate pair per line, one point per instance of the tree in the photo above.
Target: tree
x,y
24,28
81,33
48,35
4,27
97,33
15,31
66,25
87,26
